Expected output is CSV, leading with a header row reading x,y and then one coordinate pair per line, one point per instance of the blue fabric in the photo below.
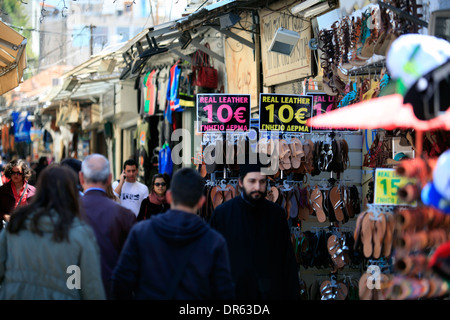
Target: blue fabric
x,y
165,160
151,255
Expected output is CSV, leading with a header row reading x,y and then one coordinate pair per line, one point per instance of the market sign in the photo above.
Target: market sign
x,y
284,113
321,104
223,112
387,183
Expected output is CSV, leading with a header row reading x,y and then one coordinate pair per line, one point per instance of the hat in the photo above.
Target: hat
x,y
249,166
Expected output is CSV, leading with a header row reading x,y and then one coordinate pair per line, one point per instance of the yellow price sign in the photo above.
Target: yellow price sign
x,y
283,112
387,183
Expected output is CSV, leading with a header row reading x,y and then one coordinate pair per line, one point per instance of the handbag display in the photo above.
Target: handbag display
x,y
203,72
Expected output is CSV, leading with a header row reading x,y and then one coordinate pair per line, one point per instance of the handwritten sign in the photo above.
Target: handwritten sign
x,y
287,113
223,112
387,183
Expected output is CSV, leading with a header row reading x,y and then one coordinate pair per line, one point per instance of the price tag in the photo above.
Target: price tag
x,y
387,183
287,113
223,112
323,103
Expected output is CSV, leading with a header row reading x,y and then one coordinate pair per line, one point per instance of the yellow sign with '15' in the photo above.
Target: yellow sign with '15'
x,y
387,184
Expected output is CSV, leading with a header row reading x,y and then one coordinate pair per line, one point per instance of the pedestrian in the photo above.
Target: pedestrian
x,y
47,251
262,259
17,191
42,164
156,202
110,193
175,255
75,165
111,221
130,191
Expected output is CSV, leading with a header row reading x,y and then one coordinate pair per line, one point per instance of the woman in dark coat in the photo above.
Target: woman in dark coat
x,y
156,201
17,191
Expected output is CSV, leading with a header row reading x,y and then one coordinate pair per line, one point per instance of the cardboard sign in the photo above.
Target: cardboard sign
x,y
387,183
223,112
284,113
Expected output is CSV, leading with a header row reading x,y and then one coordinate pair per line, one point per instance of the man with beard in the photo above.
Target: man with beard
x,y
262,259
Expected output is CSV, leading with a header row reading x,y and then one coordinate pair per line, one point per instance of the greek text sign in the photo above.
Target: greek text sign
x,y
387,183
286,113
223,112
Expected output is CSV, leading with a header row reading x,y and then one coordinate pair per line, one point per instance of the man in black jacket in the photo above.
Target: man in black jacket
x,y
175,255
262,259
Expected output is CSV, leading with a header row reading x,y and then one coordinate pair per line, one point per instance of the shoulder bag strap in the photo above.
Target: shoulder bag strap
x,y
23,193
181,267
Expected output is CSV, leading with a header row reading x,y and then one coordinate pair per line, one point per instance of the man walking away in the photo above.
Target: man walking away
x,y
111,221
175,255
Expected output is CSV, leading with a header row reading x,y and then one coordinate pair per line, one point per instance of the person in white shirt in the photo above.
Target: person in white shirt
x,y
129,191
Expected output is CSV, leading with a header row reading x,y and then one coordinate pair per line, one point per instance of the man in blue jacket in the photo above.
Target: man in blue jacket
x,y
175,255
111,221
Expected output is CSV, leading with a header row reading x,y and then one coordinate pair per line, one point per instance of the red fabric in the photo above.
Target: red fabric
x,y
18,195
387,112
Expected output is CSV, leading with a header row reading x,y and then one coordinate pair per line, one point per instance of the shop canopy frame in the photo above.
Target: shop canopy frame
x,y
13,58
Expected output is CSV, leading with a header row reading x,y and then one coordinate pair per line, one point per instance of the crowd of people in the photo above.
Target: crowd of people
x,y
76,234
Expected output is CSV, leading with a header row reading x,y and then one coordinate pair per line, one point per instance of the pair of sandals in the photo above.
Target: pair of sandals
x,y
338,251
220,194
312,249
333,289
373,285
337,204
375,233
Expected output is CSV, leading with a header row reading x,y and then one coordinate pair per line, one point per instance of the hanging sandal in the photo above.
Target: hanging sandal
x,y
285,153
337,203
317,204
297,153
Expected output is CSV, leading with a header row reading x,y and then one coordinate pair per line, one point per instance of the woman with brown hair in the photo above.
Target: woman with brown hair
x,y
17,191
156,201
46,245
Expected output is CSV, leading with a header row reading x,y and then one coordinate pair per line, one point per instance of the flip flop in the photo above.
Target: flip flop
x,y
337,203
228,194
342,291
317,204
379,234
367,227
387,242
294,202
303,208
365,293
217,196
335,250
347,203
297,152
285,153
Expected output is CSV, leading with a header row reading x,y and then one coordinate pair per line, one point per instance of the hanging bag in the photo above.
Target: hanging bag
x,y
203,72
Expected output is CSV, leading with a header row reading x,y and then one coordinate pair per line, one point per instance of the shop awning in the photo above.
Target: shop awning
x,y
13,58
